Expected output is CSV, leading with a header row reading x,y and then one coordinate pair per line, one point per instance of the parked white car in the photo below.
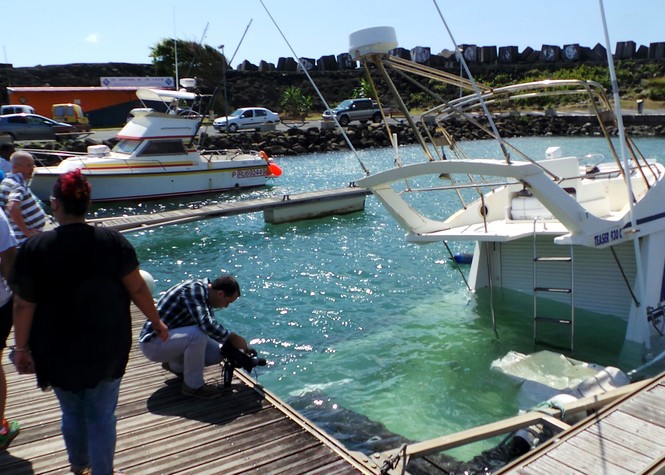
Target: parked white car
x,y
246,118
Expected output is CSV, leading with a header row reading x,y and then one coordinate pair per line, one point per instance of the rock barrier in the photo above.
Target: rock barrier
x,y
301,141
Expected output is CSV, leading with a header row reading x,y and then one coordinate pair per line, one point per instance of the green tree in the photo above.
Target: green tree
x,y
202,62
364,90
294,103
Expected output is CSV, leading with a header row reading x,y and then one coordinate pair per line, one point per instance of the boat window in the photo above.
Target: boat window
x,y
164,147
126,146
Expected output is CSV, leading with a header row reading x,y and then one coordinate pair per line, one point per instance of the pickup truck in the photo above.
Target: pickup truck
x,y
362,110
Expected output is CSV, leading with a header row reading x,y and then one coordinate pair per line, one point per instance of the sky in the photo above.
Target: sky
x,y
44,32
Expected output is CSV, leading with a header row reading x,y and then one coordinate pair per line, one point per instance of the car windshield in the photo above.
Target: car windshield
x,y
345,104
237,113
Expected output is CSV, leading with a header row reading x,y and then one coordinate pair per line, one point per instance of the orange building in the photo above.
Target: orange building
x,y
104,106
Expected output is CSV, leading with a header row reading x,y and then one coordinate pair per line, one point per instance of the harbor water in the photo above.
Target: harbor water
x,y
374,339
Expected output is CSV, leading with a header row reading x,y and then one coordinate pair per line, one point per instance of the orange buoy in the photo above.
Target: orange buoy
x,y
274,170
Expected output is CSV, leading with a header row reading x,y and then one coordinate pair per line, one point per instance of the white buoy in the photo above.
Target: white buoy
x,y
149,280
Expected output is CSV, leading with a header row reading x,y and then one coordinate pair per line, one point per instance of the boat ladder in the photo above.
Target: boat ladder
x,y
543,267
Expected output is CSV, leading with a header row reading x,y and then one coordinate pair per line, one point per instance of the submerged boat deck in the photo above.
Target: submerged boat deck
x,y
247,430
623,438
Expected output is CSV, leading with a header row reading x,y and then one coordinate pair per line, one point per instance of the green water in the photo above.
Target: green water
x,y
350,316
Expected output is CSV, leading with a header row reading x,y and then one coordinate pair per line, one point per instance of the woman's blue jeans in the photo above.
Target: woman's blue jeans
x,y
88,425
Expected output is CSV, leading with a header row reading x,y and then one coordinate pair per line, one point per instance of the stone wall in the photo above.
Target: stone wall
x,y
473,54
299,141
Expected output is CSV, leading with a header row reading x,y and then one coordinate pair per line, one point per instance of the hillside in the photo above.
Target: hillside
x,y
638,79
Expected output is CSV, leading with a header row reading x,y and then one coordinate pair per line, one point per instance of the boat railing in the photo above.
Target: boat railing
x,y
221,154
434,126
44,157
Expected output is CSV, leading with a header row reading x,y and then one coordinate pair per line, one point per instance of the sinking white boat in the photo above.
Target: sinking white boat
x,y
157,157
582,231
546,374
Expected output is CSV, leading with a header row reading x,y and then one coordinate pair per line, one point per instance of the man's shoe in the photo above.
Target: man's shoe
x,y
167,367
12,430
207,391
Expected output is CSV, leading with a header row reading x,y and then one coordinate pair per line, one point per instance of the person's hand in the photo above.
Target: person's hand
x,y
238,341
24,362
162,330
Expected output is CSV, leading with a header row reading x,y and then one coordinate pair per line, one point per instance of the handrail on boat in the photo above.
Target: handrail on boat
x,y
466,107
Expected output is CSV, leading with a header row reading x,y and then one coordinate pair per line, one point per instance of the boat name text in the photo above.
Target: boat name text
x,y
251,173
607,237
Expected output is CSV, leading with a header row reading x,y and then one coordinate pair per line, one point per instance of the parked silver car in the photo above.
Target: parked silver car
x,y
32,127
246,118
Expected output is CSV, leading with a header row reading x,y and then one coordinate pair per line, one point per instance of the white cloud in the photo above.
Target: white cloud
x,y
92,38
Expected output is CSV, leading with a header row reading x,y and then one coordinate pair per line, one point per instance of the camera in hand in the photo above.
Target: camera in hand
x,y
234,358
254,360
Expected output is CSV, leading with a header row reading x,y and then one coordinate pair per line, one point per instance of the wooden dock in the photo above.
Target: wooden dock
x,y
279,209
246,431
627,437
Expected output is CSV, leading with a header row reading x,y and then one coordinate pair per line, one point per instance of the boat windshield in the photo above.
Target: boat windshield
x,y
126,146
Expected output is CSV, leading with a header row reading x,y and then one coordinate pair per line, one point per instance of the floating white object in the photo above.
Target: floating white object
x,y
149,280
376,40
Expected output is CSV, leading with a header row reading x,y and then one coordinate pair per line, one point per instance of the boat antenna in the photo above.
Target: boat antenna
x,y
476,89
175,52
241,40
643,328
325,104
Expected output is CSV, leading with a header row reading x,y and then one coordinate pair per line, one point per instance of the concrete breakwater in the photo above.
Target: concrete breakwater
x,y
300,141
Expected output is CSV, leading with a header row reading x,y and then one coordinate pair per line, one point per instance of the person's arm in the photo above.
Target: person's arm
x,y
7,261
14,212
237,341
140,295
24,312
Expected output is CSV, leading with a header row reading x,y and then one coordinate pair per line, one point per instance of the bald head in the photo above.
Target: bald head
x,y
23,162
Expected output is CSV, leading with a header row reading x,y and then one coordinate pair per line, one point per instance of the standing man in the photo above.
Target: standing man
x,y
72,323
22,208
8,429
196,339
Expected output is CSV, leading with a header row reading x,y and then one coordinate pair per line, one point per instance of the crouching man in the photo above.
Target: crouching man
x,y
196,339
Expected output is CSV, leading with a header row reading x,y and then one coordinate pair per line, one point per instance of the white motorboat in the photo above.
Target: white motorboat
x,y
582,231
156,157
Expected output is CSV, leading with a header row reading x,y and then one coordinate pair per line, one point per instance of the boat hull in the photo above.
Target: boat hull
x,y
159,184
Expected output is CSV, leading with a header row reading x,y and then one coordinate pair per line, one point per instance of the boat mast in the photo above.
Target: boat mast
x,y
638,324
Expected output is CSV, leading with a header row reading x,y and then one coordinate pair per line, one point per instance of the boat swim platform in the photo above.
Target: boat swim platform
x,y
276,210
247,430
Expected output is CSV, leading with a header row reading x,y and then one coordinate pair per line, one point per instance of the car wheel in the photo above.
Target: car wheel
x,y
7,137
376,118
233,128
344,120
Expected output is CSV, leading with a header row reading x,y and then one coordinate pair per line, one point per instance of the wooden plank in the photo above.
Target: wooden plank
x,y
162,431
604,452
134,223
623,438
644,438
